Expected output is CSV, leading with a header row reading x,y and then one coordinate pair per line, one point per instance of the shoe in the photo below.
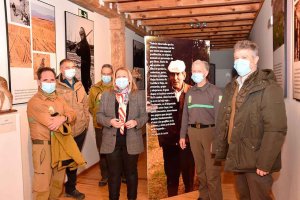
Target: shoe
x,y
199,198
103,182
76,195
123,180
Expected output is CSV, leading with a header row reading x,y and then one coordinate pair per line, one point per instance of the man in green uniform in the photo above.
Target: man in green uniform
x,y
94,102
198,121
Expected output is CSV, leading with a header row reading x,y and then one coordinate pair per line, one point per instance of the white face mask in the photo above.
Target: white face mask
x,y
122,83
70,73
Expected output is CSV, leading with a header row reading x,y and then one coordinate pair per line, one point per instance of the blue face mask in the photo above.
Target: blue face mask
x,y
242,66
106,79
48,87
197,77
122,83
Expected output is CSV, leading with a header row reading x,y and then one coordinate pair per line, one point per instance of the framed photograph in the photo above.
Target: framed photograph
x,y
18,12
80,47
138,54
296,63
31,44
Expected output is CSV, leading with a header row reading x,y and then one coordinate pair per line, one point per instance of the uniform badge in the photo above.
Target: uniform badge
x,y
190,99
220,98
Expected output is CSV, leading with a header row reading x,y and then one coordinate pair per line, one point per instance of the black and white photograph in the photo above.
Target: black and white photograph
x,y
19,11
80,47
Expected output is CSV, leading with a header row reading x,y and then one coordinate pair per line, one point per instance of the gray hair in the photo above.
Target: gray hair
x,y
247,44
200,62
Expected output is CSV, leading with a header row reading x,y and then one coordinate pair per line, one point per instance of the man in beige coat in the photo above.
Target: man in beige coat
x,y
74,94
47,181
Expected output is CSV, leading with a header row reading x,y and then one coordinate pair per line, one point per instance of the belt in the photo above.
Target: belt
x,y
199,126
40,141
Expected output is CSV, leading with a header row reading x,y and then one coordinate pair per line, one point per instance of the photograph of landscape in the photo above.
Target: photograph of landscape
x,y
19,46
43,27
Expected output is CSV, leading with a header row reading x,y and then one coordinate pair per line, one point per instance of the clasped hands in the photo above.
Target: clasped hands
x,y
116,123
56,122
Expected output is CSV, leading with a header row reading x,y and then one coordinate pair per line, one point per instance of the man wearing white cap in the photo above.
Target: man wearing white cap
x,y
177,160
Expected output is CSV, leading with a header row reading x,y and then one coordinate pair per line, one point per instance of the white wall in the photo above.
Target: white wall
x,y
287,182
102,55
224,64
262,34
130,36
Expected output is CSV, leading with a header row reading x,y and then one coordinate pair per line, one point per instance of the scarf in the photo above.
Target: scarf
x,y
122,98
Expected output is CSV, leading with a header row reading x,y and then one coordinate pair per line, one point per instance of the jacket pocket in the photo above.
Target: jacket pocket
x,y
248,153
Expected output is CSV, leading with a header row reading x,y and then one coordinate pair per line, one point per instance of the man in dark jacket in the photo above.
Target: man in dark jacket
x,y
251,125
83,50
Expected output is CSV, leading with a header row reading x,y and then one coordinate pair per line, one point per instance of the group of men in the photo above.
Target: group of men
x,y
62,102
245,126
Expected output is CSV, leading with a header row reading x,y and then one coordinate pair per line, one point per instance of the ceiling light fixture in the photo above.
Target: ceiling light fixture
x,y
199,25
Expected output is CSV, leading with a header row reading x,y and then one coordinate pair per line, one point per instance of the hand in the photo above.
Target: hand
x,y
116,123
182,143
261,172
131,124
56,122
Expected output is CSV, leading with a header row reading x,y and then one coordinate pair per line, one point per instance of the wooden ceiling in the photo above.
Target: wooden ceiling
x,y
223,22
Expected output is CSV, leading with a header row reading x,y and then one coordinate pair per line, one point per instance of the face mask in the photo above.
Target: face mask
x,y
70,73
122,83
48,87
106,79
242,66
197,77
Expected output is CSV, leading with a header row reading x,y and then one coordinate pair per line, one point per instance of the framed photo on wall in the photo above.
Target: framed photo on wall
x,y
138,54
31,44
80,47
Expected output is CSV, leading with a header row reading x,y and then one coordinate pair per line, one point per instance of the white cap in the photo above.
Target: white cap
x,y
176,66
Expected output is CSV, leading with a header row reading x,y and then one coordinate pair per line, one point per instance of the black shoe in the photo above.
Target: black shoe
x,y
123,180
76,195
103,182
199,198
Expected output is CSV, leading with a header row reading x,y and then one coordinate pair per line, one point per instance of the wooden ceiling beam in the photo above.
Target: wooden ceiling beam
x,y
94,6
195,11
174,4
207,34
206,29
212,37
209,24
183,20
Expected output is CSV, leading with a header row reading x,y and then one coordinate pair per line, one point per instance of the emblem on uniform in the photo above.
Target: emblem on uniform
x,y
190,99
220,98
99,97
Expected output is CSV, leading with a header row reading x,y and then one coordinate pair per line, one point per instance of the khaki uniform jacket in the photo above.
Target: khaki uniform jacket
x,y
39,110
78,100
64,150
259,127
95,94
137,111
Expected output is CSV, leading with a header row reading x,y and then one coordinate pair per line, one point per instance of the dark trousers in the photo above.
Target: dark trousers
x,y
70,185
178,161
115,161
103,161
251,186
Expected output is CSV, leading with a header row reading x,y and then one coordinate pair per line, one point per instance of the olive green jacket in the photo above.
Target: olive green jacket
x,y
259,128
95,95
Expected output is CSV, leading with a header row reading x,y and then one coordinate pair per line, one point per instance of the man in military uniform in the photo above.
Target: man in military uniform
x,y
200,109
94,102
177,160
73,92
